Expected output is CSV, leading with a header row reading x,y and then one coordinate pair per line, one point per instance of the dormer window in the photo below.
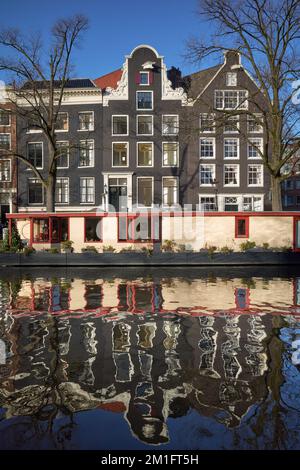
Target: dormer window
x,y
144,78
231,79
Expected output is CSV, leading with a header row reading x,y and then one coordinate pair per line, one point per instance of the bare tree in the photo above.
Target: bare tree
x,y
266,33
38,82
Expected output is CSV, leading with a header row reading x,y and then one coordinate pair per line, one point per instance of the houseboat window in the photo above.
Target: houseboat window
x,y
93,229
40,230
241,227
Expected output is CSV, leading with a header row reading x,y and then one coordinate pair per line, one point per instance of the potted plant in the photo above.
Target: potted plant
x,y
66,246
108,249
89,249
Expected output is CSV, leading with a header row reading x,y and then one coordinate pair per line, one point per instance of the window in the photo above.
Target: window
x,y
63,156
255,175
231,79
298,200
5,170
86,121
87,190
35,192
207,174
255,124
120,153
86,153
62,123
145,154
120,125
93,229
144,99
252,203
231,175
62,191
139,228
297,183
231,204
290,200
231,125
144,125
4,118
242,227
170,124
289,184
33,125
41,230
254,146
208,203
144,78
231,148
170,191
35,154
170,154
51,229
145,192
231,99
207,148
5,141
207,123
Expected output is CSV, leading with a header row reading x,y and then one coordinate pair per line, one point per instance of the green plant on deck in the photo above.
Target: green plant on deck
x,y
15,244
247,245
108,249
226,250
211,249
128,249
52,250
28,250
147,251
266,246
168,245
89,248
67,245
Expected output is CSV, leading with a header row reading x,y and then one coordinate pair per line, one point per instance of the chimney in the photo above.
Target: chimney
x,y
174,75
232,58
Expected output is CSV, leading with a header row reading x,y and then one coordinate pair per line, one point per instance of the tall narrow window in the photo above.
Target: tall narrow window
x,y
5,141
207,174
35,154
207,123
62,191
231,125
231,175
63,154
86,153
231,79
170,124
62,123
120,154
255,147
145,154
4,118
231,148
35,192
170,191
144,125
145,191
87,190
120,125
144,99
5,170
255,124
255,175
86,121
242,227
207,148
170,154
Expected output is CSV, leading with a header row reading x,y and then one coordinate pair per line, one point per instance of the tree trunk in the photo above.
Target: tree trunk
x,y
276,194
50,193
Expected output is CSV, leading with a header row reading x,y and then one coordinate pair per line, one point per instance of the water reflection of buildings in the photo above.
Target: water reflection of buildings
x,y
77,346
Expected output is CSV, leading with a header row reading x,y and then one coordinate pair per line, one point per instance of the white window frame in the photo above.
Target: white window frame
x,y
68,193
148,75
261,147
237,176
86,177
40,167
237,127
43,195
244,105
177,124
9,118
137,154
208,185
214,123
68,122
229,76
252,196
177,152
93,153
262,175
211,196
147,109
112,124
112,154
177,190
238,148
137,190
249,118
68,153
86,112
137,123
9,134
6,160
213,139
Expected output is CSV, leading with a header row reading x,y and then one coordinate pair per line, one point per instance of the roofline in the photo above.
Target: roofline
x,y
143,46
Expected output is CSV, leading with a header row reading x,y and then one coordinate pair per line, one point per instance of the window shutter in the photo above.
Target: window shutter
x,y
137,78
150,78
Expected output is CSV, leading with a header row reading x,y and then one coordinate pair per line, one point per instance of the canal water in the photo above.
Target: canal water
x,y
150,359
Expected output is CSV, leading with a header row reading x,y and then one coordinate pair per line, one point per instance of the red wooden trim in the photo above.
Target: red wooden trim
x,y
9,231
84,234
236,234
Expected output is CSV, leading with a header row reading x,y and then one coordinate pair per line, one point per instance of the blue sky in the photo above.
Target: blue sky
x,y
116,27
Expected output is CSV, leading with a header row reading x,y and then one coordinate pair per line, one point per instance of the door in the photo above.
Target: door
x,y
117,194
4,210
